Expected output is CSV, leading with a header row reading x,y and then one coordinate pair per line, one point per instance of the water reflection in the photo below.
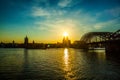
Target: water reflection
x,y
25,64
26,55
66,57
24,72
57,64
69,73
100,55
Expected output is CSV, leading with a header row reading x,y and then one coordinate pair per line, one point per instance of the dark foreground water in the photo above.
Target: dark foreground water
x,y
57,64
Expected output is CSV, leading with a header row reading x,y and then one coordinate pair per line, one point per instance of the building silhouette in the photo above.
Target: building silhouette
x,y
13,42
33,42
26,41
66,41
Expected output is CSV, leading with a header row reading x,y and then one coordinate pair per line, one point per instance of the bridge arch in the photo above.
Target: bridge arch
x,y
106,40
95,37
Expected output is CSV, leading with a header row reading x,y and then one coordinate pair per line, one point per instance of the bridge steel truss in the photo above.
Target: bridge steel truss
x,y
99,39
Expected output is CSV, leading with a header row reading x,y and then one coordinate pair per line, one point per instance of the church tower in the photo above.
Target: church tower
x,y
66,41
26,40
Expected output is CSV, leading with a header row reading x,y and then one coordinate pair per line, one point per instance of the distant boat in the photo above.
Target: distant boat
x,y
96,48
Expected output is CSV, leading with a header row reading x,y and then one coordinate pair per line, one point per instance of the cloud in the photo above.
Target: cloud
x,y
114,12
111,19
108,24
64,3
57,25
68,3
46,12
39,12
73,21
60,20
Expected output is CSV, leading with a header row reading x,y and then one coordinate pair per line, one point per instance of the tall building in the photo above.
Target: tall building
x,y
66,41
26,40
33,42
13,42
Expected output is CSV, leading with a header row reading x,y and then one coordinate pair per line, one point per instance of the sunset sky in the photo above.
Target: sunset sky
x,y
47,20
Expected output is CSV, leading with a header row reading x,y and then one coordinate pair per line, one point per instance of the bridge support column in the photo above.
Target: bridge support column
x,y
113,47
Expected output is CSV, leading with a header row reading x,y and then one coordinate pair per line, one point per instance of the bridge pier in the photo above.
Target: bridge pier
x,y
113,47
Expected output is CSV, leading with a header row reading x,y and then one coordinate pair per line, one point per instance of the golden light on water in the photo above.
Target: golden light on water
x,y
66,56
67,65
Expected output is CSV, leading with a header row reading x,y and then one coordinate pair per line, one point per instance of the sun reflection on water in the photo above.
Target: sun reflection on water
x,y
67,65
66,56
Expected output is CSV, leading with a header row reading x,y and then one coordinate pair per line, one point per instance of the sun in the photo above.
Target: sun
x,y
65,34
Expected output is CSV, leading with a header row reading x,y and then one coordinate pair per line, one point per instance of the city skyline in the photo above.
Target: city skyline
x,y
46,20
65,35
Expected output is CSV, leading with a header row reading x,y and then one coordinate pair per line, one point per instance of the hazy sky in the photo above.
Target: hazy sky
x,y
46,20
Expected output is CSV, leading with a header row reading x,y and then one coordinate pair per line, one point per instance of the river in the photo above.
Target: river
x,y
57,64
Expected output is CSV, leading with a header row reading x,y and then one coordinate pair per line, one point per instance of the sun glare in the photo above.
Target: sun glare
x,y
65,34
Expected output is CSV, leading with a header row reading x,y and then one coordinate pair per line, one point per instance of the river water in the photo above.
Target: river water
x,y
57,64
